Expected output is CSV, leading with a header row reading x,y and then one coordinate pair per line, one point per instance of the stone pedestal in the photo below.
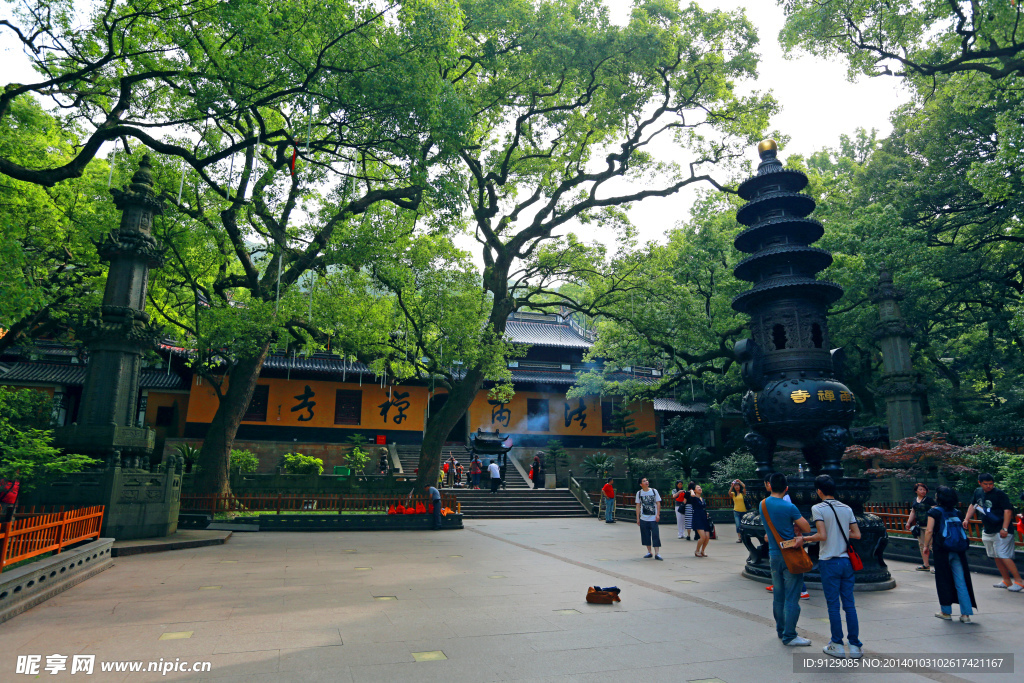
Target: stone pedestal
x,y
852,491
138,503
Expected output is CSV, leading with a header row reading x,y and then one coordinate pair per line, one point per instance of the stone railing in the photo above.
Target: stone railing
x,y
581,495
138,503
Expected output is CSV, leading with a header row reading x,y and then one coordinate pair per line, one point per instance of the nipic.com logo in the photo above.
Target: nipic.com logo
x,y
34,665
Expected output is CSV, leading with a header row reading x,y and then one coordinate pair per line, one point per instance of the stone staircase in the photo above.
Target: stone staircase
x,y
518,504
517,501
409,456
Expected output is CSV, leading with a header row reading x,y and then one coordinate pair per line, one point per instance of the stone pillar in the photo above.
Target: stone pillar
x,y
121,333
899,384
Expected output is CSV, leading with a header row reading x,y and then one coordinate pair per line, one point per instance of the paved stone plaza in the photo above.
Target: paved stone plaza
x,y
502,600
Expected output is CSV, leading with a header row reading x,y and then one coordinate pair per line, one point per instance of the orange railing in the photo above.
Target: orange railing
x,y
894,516
278,503
21,539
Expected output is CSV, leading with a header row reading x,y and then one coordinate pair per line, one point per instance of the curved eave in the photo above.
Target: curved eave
x,y
822,290
794,203
810,259
803,230
791,180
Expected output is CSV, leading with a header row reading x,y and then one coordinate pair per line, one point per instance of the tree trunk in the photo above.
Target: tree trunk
x,y
441,423
216,451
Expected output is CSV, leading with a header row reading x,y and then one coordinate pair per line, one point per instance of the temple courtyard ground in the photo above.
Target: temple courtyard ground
x,y
499,600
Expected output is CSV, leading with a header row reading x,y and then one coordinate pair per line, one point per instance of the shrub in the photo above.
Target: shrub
x,y
25,450
739,465
357,459
190,454
244,461
297,463
599,464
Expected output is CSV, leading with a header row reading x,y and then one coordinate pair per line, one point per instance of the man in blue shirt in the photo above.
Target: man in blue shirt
x,y
435,502
786,587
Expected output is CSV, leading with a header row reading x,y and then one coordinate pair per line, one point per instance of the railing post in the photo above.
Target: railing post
x,y
60,532
5,542
278,503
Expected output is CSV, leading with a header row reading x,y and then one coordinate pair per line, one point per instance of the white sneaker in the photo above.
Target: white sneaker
x,y
1001,585
1015,588
855,651
798,642
964,619
835,649
943,615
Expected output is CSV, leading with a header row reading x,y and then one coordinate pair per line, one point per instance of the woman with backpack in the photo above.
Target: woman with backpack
x,y
948,540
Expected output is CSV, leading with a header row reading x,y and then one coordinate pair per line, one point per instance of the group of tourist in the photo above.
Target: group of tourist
x,y
943,543
833,526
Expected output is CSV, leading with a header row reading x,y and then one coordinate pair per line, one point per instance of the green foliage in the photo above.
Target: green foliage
x,y
1010,476
189,453
25,450
919,40
599,464
243,461
51,267
688,462
739,465
557,456
635,443
357,459
652,468
297,463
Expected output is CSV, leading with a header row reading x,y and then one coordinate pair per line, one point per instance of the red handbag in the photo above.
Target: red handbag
x,y
855,560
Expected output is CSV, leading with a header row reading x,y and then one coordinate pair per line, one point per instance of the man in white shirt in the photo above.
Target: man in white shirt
x,y
495,474
836,527
648,514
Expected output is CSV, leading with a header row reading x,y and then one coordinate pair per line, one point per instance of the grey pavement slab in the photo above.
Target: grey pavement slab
x,y
304,607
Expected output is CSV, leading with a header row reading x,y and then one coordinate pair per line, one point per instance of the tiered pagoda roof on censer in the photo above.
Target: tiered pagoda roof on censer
x,y
796,397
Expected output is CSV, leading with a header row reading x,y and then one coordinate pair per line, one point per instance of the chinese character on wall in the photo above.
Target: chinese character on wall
x,y
499,413
398,402
577,415
305,404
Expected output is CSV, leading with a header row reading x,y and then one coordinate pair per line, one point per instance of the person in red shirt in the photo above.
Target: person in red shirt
x,y
8,496
609,502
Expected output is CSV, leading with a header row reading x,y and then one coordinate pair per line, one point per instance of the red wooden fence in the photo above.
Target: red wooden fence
x,y
23,538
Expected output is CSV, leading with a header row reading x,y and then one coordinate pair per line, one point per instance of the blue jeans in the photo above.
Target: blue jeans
x,y
437,512
609,509
738,517
962,594
786,589
837,584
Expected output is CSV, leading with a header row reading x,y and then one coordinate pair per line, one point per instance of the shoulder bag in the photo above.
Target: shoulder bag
x,y
797,559
855,560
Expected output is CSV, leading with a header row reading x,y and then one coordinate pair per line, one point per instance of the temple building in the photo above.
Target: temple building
x,y
322,399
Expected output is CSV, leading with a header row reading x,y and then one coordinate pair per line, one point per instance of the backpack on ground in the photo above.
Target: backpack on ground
x,y
954,538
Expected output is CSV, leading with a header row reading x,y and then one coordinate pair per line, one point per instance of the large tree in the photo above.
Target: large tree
x,y
569,114
924,39
287,134
46,234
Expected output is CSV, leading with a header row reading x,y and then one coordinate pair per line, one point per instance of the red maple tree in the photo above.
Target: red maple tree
x,y
915,457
